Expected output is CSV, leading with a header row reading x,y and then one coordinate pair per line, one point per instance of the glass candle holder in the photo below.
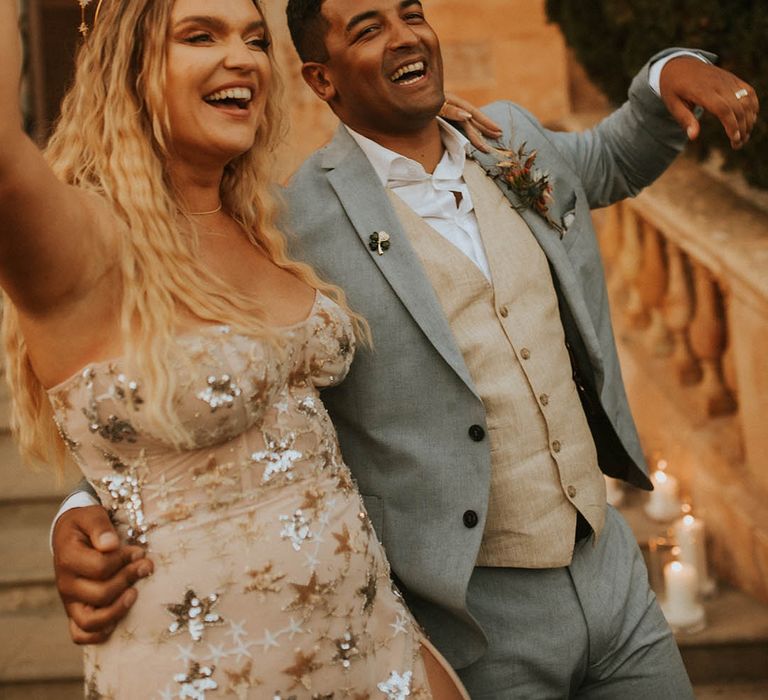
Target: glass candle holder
x,y
661,551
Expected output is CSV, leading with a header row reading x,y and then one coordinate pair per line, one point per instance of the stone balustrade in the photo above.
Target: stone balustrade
x,y
687,272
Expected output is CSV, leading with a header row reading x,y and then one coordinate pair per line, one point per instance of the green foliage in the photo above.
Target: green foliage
x,y
614,38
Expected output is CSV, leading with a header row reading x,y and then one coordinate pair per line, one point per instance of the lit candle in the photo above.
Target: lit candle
x,y
663,503
681,608
691,538
614,491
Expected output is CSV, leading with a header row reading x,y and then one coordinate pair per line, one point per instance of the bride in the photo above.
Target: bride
x,y
156,329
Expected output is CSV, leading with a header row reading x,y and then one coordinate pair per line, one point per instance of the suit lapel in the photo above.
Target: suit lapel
x,y
366,204
559,261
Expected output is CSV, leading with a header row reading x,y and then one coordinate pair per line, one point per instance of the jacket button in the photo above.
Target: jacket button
x,y
470,519
556,446
525,353
476,432
571,491
504,311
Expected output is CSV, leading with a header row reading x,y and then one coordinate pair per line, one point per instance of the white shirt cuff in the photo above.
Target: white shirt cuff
x,y
79,499
654,74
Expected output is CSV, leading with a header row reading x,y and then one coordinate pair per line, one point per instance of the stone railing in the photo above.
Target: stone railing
x,y
687,269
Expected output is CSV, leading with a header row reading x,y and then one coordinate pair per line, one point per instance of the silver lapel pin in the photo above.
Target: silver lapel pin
x,y
379,242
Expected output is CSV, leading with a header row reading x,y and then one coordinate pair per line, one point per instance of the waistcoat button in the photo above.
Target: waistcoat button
x,y
476,432
525,353
571,491
544,398
470,519
504,311
556,446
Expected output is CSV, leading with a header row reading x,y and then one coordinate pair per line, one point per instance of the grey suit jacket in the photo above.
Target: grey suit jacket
x,y
403,414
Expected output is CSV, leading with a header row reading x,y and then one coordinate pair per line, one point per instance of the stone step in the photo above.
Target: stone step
x,y
36,655
60,690
24,549
20,482
733,647
732,691
35,647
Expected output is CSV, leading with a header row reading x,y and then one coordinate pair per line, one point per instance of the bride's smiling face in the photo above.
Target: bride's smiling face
x,y
217,78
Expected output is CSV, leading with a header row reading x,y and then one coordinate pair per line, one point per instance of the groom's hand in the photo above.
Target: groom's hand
x,y
687,82
94,573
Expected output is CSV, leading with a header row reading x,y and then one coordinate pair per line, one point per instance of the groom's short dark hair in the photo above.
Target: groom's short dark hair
x,y
308,28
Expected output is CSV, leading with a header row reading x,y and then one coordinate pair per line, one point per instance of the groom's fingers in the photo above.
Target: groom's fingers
x,y
88,625
85,545
725,106
91,625
80,636
685,117
101,594
94,577
686,81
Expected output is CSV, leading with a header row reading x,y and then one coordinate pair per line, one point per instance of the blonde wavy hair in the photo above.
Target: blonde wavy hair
x,y
118,92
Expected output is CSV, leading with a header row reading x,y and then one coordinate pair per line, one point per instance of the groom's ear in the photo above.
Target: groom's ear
x,y
317,76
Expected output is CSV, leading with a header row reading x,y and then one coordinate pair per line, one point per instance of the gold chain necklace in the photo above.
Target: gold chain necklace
x,y
205,213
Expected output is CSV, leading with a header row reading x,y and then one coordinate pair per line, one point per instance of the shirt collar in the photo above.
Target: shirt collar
x,y
390,165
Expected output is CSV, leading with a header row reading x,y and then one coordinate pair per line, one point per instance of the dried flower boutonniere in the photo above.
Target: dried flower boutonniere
x,y
531,185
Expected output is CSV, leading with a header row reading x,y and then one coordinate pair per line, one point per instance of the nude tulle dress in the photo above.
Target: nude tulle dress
x,y
269,580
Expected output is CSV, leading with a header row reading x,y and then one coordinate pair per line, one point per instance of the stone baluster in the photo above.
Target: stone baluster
x,y
708,340
630,263
5,397
651,286
729,361
610,239
677,310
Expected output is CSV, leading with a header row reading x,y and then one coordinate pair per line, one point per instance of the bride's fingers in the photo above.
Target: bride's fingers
x,y
460,110
475,137
486,125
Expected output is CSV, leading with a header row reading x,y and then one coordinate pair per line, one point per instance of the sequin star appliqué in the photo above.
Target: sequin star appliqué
x,y
193,614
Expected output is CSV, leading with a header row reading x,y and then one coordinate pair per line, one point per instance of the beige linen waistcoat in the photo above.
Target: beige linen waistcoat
x,y
543,458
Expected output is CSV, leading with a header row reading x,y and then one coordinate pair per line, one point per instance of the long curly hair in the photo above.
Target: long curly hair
x,y
118,93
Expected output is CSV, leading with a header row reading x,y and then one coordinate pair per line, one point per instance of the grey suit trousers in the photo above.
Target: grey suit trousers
x,y
593,627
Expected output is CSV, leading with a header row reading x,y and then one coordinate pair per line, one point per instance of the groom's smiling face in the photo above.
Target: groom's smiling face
x,y
384,71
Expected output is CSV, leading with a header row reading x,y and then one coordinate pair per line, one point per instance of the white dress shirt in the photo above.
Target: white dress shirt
x,y
432,196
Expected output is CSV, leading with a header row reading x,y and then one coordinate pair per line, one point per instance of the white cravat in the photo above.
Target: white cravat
x,y
432,196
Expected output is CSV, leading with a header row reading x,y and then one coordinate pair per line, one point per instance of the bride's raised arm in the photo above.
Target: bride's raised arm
x,y
51,250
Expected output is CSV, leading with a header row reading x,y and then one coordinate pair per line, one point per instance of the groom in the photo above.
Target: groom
x,y
478,425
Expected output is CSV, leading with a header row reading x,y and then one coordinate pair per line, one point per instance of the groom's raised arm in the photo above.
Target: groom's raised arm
x,y
631,147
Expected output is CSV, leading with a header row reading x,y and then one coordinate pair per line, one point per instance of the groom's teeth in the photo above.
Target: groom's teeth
x,y
410,68
237,93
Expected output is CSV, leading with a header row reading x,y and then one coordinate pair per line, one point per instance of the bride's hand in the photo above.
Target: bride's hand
x,y
476,124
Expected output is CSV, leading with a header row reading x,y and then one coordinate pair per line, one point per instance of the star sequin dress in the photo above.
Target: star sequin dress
x,y
269,581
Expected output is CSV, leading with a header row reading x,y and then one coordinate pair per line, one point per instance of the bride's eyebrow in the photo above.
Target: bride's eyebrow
x,y
205,20
217,24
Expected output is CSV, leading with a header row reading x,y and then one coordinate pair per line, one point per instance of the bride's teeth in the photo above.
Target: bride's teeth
x,y
238,93
410,68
